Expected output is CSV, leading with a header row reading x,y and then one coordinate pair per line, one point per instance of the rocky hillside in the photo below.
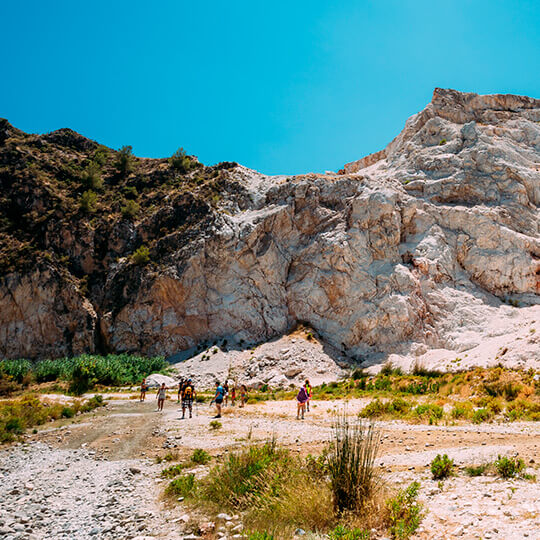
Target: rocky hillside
x,y
430,246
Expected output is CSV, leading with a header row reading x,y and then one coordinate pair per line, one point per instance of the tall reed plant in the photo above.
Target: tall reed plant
x,y
354,478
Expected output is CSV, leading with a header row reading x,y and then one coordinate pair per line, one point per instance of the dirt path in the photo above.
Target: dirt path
x,y
96,476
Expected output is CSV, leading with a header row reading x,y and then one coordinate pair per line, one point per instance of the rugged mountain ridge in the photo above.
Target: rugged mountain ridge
x,y
417,248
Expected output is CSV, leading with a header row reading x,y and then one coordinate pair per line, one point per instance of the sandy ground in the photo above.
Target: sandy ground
x,y
96,477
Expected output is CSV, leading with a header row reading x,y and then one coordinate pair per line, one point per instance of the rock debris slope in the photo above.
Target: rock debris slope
x,y
427,249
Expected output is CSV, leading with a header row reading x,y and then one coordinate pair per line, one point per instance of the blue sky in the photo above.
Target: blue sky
x,y
282,87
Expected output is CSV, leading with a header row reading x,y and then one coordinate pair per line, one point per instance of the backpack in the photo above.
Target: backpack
x,y
188,392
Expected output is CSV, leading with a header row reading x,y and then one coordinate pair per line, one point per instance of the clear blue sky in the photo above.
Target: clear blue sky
x,y
282,87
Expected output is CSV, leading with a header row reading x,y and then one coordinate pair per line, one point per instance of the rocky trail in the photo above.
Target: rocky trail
x,y
97,477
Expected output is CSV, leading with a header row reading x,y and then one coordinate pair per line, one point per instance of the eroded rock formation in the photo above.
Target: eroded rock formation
x,y
405,250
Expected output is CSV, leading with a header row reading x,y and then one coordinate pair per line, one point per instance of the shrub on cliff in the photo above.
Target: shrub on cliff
x,y
141,256
180,161
88,202
130,209
92,176
124,160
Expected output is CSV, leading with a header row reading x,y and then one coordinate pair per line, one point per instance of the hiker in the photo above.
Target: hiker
x,y
181,384
188,395
302,399
233,394
218,399
309,392
144,388
161,396
226,388
243,395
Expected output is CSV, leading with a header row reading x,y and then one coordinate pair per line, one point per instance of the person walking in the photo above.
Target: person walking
x,y
144,388
226,396
233,394
309,392
161,396
302,399
188,395
181,384
218,398
243,395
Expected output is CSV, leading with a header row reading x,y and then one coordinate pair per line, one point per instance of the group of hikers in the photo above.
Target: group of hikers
x,y
187,394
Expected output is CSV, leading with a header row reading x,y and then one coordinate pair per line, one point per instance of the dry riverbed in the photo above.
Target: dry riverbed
x,y
97,476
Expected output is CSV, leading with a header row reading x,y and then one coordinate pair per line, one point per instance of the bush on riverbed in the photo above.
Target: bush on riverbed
x,y
20,414
279,492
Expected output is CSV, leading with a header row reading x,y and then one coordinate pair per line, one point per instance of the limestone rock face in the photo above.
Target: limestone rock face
x,y
414,248
44,314
366,258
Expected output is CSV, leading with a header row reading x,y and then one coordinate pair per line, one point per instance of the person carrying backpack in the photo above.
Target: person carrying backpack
x,y
302,398
188,395
181,385
218,398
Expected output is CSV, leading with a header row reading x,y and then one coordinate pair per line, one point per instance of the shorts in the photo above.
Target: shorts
x,y
187,403
219,401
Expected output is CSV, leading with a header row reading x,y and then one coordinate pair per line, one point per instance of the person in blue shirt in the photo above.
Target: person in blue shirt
x,y
218,398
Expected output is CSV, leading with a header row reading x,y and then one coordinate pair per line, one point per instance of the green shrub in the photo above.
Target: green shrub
x,y
443,142
16,369
141,256
172,471
124,160
215,424
85,371
88,202
130,192
351,463
508,467
476,470
238,481
20,414
49,370
92,176
429,411
68,412
14,425
507,390
404,512
93,403
461,410
130,209
480,415
442,467
420,371
200,456
265,535
358,373
342,533
181,486
523,409
383,383
101,155
274,489
389,369
181,162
